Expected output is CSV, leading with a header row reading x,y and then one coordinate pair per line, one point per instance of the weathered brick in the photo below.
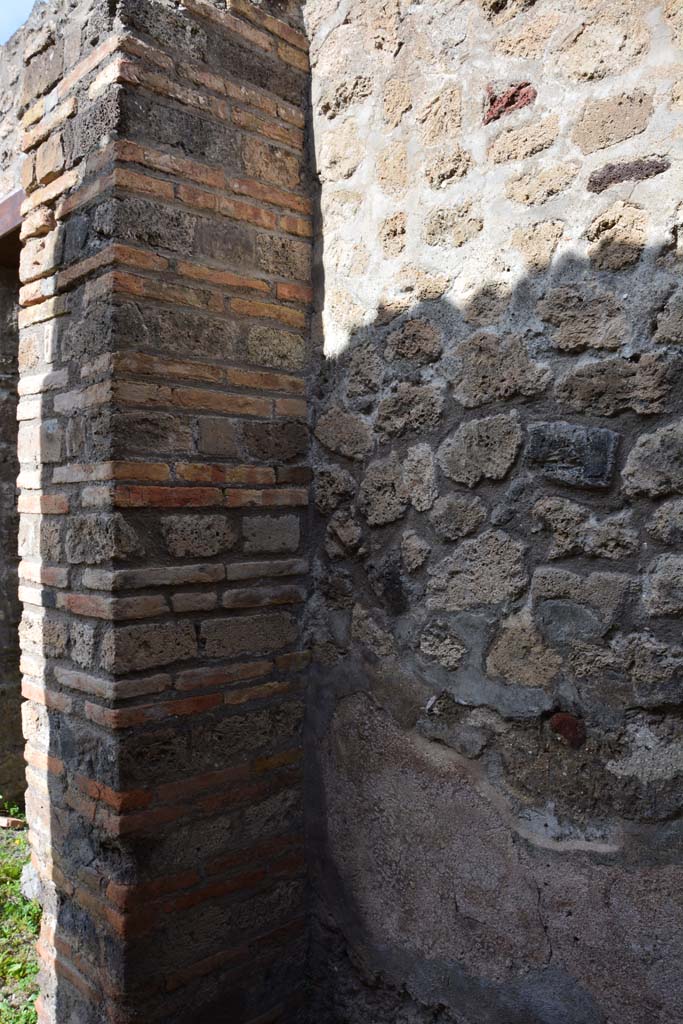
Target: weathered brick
x,y
222,278
269,194
277,497
252,570
269,311
49,159
262,597
205,678
152,576
271,129
165,497
257,215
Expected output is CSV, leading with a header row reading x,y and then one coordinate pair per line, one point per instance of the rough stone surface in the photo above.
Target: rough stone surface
x,y
99,538
618,236
419,477
583,318
655,463
439,643
629,170
537,188
416,340
579,456
575,530
455,516
484,571
609,386
487,368
670,321
666,525
344,433
488,584
408,408
537,242
415,550
527,271
481,449
271,534
519,655
197,536
452,226
392,235
383,495
521,143
663,586
605,122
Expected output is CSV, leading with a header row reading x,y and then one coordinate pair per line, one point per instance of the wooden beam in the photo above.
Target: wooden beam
x,y
10,212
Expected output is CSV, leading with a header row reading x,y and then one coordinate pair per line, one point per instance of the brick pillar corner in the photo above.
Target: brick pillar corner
x,y
164,490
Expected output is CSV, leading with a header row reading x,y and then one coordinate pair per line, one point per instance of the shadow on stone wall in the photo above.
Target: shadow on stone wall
x,y
495,732
11,742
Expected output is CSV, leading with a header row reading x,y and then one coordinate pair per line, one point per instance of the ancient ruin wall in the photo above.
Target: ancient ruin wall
x,y
496,726
162,356
11,741
36,36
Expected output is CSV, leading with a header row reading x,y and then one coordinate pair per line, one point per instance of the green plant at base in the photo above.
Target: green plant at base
x,y
19,925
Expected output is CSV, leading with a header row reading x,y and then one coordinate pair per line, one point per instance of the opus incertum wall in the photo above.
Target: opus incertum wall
x,y
496,729
492,584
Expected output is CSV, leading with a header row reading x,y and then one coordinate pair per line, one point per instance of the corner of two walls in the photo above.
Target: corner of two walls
x,y
495,709
494,724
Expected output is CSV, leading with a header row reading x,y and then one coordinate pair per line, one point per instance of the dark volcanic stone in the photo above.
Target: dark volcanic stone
x,y
573,455
630,170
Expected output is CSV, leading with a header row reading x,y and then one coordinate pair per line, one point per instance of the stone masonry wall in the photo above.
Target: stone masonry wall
x,y
34,37
162,441
11,742
496,727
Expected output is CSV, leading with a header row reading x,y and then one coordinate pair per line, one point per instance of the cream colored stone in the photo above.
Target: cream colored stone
x,y
421,284
348,260
531,40
606,122
338,98
445,164
392,169
504,10
392,235
441,118
344,310
538,187
607,44
520,143
381,21
397,101
618,236
674,15
452,225
537,242
341,152
339,206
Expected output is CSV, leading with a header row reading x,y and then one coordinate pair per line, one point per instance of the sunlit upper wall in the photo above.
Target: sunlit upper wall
x,y
456,141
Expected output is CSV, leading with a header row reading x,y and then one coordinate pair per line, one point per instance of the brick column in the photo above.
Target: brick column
x,y
11,746
165,298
